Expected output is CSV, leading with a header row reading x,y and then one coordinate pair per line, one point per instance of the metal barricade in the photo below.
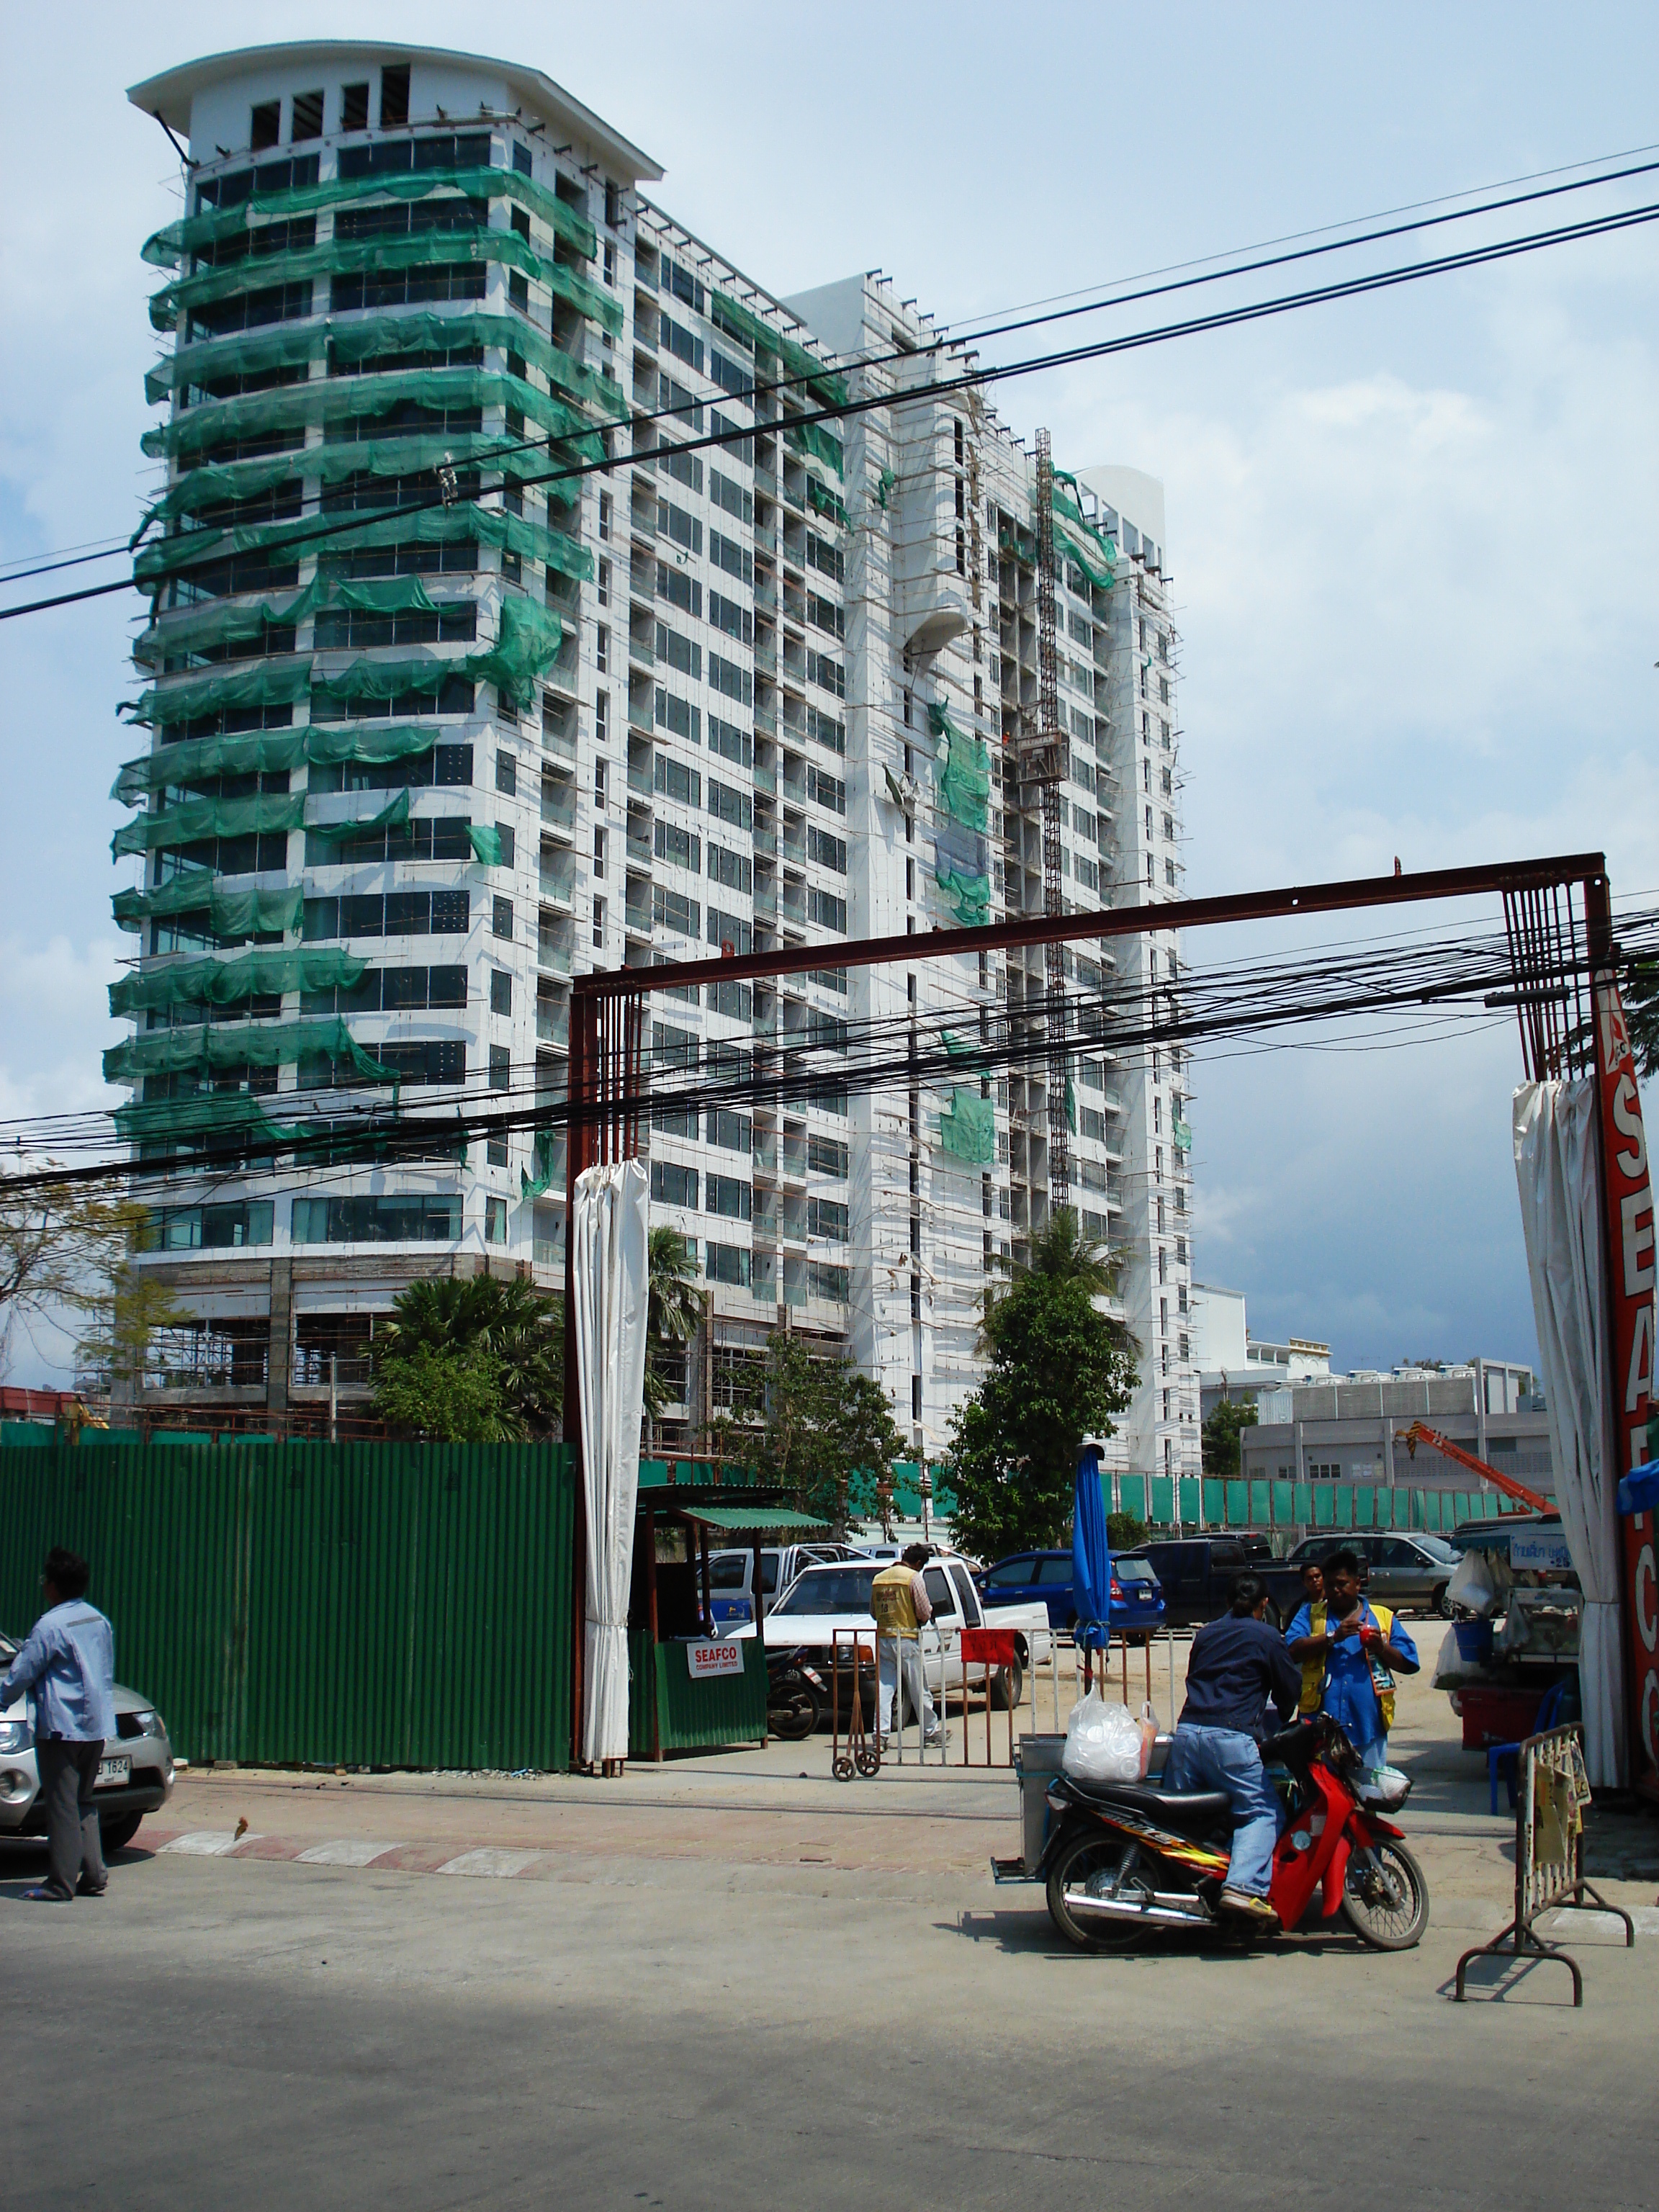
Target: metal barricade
x,y
991,1649
1552,1790
935,1648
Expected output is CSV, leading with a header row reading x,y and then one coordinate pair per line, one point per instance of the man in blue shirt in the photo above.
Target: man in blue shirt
x,y
68,1667
1238,1665
1361,1650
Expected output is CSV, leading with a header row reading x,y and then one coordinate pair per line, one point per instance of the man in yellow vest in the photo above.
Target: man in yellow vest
x,y
899,1600
1355,1660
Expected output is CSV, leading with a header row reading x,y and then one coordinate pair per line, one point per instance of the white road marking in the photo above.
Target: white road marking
x,y
345,1850
487,1862
209,1843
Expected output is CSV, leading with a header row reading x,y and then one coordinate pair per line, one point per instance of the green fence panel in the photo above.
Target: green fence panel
x,y
1190,1495
1384,1502
1132,1489
1215,1501
27,1432
1489,1505
1262,1503
1343,1502
1284,1504
1302,1511
1238,1504
1163,1504
1324,1506
1365,1505
1432,1505
352,1604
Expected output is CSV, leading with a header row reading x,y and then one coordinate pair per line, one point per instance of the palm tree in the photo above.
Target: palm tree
x,y
674,1308
1060,1254
501,1317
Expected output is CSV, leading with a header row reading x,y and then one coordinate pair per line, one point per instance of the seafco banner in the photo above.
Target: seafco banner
x,y
1631,1243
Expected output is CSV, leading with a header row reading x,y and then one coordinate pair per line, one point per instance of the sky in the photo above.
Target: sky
x,y
1412,536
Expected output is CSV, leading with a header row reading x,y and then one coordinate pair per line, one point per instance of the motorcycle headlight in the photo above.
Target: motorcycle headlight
x,y
15,1736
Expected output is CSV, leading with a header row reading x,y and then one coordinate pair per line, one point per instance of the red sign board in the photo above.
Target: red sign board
x,y
1629,1192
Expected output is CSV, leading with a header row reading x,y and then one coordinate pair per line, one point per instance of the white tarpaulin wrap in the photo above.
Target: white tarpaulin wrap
x,y
612,1283
1555,1165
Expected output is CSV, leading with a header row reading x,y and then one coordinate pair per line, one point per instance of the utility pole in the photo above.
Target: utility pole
x,y
1043,763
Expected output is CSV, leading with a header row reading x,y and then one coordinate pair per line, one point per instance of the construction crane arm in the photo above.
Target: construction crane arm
x,y
1420,1433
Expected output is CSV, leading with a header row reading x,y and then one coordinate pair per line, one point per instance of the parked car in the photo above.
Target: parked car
x,y
731,1576
822,1599
1405,1568
1195,1574
1045,1579
135,1776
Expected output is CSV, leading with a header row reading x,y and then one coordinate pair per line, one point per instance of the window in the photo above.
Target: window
x,y
736,620
673,1186
728,1195
308,116
731,929
730,805
605,516
354,107
495,1221
726,553
598,785
727,677
266,125
506,774
674,780
681,848
602,649
598,852
501,992
737,502
679,716
679,589
730,1132
679,652
602,588
915,1397
399,914
726,1263
673,911
394,97
599,923
500,920
827,1217
496,1151
825,1281
435,1219
828,852
827,1156
826,790
209,1228
731,743
827,911
735,871
829,675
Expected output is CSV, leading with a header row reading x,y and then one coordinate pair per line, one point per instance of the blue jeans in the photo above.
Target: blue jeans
x,y
1226,1759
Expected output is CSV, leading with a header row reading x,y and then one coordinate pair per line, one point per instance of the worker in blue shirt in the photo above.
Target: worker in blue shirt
x,y
1361,1647
68,1667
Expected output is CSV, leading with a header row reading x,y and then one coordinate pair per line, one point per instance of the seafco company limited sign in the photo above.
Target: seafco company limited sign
x,y
703,1660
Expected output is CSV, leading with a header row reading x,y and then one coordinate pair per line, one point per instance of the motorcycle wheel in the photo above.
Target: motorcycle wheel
x,y
1084,1856
1385,1897
794,1714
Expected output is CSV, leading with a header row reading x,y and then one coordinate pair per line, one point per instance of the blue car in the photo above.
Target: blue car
x,y
1045,1579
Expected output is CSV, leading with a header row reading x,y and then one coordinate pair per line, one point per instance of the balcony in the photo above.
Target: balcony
x,y
766,658
641,715
636,914
766,540
640,651
554,947
766,719
765,778
763,1161
558,878
766,901
559,810
553,1023
765,841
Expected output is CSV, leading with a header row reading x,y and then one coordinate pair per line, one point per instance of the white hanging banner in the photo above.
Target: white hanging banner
x,y
610,1235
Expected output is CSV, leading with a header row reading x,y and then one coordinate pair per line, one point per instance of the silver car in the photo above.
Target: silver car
x,y
135,1776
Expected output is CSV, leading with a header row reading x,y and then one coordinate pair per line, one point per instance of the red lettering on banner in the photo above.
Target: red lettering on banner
x,y
1629,1201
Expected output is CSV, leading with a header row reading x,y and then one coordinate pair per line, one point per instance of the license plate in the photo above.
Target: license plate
x,y
113,1773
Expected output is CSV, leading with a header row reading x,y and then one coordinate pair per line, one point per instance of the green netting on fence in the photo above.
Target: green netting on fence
x,y
214,1114
230,914
486,844
962,769
341,398
213,623
207,1046
427,525
544,1156
825,502
967,1131
265,752
367,337
166,248
1094,554
244,976
267,812
392,816
813,440
262,683
969,897
350,257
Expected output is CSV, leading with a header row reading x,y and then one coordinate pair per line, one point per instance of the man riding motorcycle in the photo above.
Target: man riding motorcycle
x,y
1238,1664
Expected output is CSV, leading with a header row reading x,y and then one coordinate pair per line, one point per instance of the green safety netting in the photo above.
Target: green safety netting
x,y
954,1047
825,502
392,816
1094,554
166,248
213,1114
884,483
206,1045
349,256
742,324
428,526
811,439
969,896
264,683
367,337
267,811
969,1130
230,914
265,752
542,1158
224,621
486,844
245,975
343,398
962,769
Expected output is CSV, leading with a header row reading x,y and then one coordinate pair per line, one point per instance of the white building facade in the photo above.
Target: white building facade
x,y
462,678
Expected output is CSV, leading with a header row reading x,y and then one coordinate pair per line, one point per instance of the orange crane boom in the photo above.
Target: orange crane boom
x,y
1420,1433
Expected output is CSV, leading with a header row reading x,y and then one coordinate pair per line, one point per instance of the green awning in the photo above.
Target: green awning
x,y
756,1518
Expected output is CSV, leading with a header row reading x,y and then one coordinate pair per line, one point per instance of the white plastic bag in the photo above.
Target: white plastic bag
x,y
1107,1743
1472,1585
1451,1667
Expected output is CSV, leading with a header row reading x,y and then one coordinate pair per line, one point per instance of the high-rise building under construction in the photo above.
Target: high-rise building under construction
x,y
506,625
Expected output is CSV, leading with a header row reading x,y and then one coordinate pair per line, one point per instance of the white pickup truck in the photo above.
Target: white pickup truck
x,y
822,1599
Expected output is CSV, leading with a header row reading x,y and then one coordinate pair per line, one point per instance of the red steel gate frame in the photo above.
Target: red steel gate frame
x,y
1553,1008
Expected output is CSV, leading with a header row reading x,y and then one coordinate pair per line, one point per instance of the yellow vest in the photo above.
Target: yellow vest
x,y
892,1601
1313,1670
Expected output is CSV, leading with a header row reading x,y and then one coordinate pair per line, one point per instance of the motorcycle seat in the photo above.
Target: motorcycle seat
x,y
1183,1809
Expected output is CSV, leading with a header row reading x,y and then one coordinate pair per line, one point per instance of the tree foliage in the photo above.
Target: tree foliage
x,y
496,1340
1057,1370
71,1252
674,1308
1220,1434
1125,1532
808,1423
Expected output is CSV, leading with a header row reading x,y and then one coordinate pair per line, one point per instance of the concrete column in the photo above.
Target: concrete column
x,y
280,1363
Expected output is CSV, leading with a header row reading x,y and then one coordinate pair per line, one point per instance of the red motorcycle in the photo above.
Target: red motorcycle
x,y
1123,1859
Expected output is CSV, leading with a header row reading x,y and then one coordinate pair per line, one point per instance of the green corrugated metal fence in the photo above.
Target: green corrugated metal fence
x,y
353,1605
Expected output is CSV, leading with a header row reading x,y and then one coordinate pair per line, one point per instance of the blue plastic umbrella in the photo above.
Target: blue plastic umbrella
x,y
1638,1491
1091,1556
